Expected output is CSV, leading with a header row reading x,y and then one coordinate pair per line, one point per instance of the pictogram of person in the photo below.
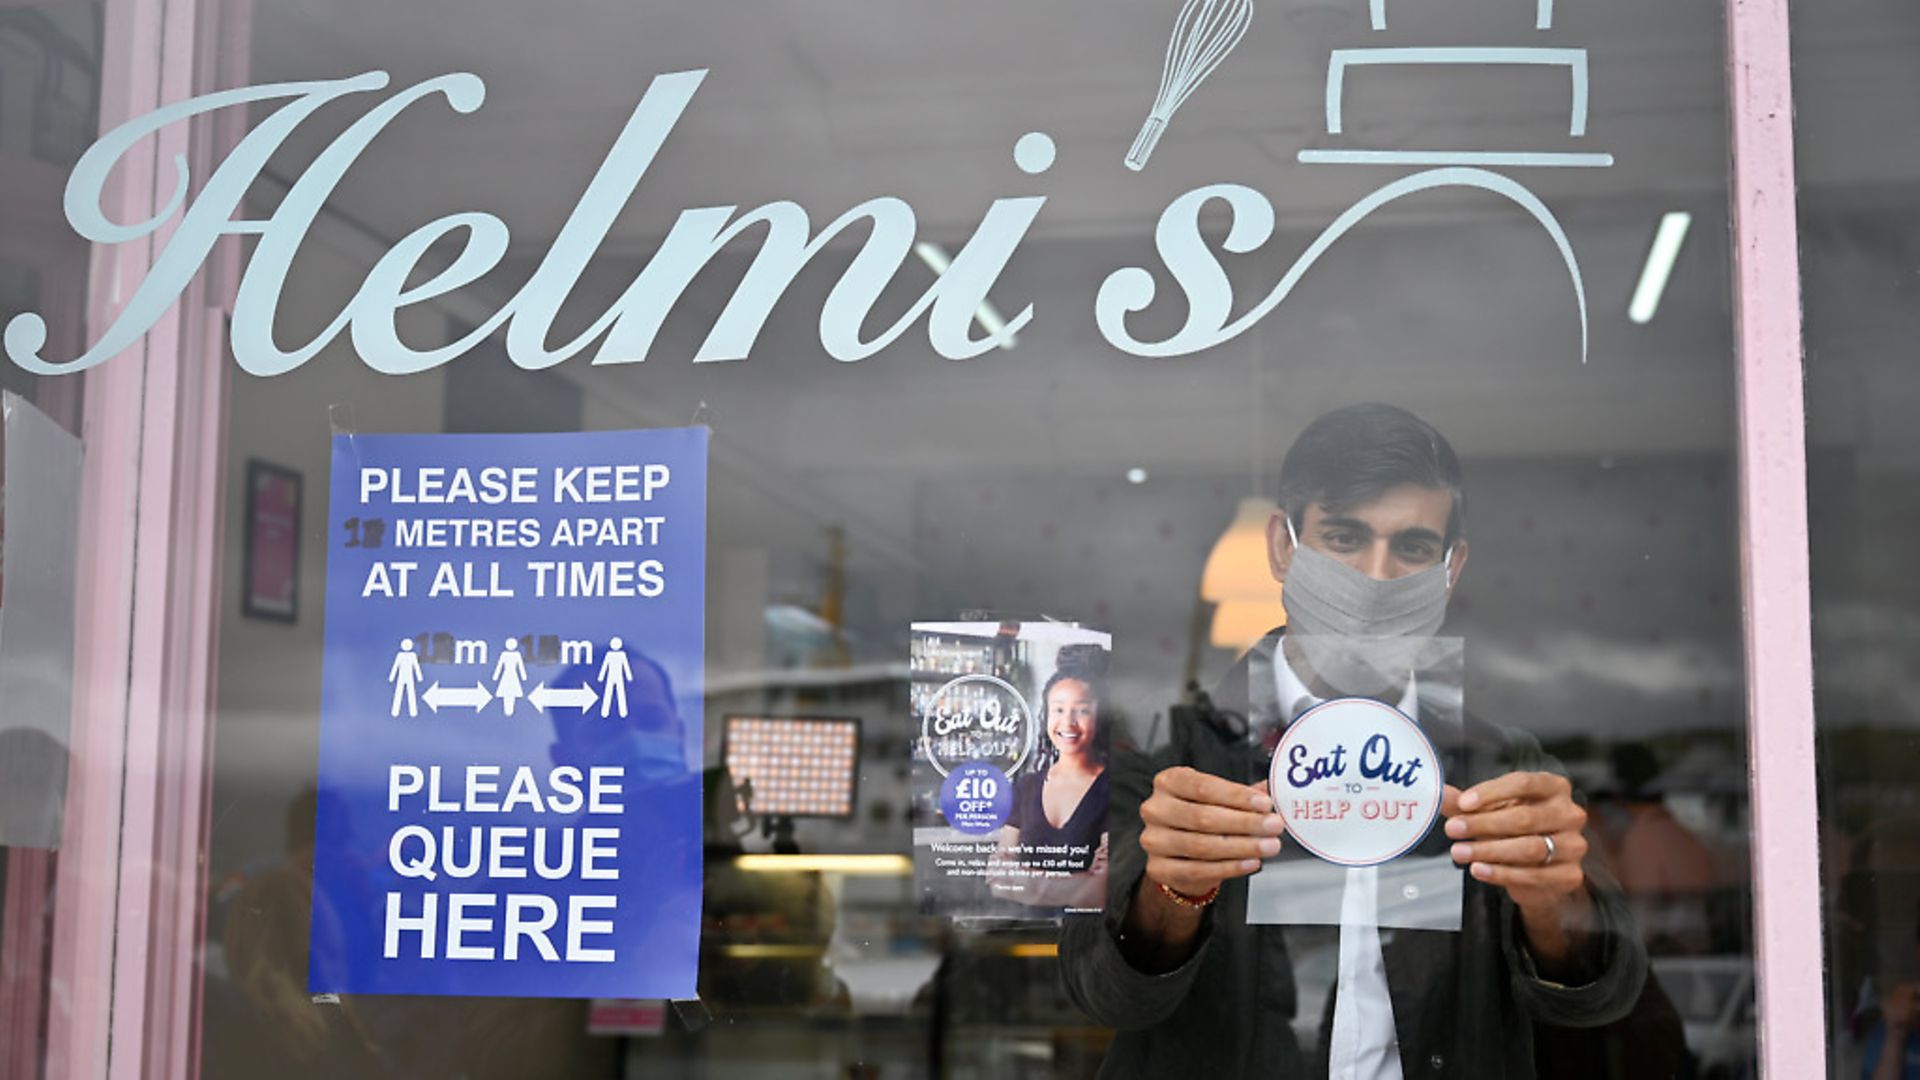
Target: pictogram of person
x,y
511,671
405,676
615,672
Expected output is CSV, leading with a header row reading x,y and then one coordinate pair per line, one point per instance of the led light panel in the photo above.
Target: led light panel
x,y
793,766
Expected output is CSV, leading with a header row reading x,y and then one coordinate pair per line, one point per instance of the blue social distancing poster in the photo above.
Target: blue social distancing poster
x,y
509,800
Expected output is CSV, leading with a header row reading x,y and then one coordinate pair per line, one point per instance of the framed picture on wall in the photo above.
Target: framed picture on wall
x,y
270,584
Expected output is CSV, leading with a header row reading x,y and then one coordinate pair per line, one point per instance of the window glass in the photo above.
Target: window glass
x,y
1856,153
49,112
1000,316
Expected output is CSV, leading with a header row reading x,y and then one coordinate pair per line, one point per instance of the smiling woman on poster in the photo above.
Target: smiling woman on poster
x,y
1053,850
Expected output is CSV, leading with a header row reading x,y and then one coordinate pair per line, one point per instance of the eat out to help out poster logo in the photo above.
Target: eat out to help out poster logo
x,y
1357,781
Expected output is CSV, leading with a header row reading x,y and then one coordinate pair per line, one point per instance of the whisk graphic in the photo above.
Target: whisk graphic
x,y
1203,34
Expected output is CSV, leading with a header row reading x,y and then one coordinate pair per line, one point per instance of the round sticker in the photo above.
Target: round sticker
x,y
1357,782
976,798
978,718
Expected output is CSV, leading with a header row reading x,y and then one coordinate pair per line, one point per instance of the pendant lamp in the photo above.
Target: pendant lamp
x,y
1239,579
1237,624
1237,567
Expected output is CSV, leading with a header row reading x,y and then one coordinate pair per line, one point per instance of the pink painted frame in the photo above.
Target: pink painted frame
x,y
129,929
1774,569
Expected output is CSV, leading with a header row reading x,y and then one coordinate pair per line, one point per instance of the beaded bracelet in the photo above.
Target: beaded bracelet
x,y
1186,901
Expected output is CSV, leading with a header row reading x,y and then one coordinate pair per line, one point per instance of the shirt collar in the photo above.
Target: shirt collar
x,y
1290,690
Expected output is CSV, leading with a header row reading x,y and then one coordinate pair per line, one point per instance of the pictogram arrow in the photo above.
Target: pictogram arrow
x,y
581,697
475,698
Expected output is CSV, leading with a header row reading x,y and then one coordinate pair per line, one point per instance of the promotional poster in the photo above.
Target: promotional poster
x,y
513,677
1010,768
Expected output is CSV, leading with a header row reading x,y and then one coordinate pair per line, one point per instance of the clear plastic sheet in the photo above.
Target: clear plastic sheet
x,y
37,564
1422,677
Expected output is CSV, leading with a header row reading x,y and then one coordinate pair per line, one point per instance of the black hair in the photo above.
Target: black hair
x,y
1354,455
1074,669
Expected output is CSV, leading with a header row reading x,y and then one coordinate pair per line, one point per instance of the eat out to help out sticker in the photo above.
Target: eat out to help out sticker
x,y
1357,782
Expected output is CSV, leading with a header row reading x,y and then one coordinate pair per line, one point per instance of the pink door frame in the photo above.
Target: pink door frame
x,y
128,934
128,925
1775,582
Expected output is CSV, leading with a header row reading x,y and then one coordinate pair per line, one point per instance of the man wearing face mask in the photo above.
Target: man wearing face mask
x,y
1369,544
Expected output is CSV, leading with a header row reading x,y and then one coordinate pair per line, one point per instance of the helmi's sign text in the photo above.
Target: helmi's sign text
x,y
625,332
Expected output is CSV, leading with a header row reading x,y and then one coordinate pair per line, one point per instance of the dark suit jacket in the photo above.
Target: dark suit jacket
x,y
1464,1003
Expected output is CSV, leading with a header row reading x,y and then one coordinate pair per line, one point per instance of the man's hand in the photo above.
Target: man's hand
x,y
1897,1012
1199,830
1901,1009
1498,828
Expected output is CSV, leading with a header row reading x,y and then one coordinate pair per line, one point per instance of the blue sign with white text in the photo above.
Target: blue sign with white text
x,y
509,796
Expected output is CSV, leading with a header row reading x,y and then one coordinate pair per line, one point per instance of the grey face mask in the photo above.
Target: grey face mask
x,y
1361,636
1326,596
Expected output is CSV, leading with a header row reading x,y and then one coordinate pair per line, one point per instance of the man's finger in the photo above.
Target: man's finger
x,y
1514,785
1449,800
1176,843
1559,877
1195,877
1523,851
1521,819
1196,786
1176,813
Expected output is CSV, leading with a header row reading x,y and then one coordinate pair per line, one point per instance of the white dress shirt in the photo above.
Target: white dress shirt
x,y
1364,1045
